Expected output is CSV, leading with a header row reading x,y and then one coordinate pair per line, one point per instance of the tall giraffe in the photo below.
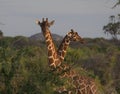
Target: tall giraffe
x,y
52,54
81,84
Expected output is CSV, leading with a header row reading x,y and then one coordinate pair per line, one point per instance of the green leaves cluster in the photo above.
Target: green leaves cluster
x,y
113,27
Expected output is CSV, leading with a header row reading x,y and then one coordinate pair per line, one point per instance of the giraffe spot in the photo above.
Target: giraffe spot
x,y
82,85
49,47
50,53
63,54
48,43
83,91
66,44
54,55
65,47
75,78
51,61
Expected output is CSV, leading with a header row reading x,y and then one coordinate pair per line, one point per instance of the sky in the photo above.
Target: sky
x,y
87,17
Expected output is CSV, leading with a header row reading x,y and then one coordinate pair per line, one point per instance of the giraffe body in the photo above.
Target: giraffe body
x,y
81,84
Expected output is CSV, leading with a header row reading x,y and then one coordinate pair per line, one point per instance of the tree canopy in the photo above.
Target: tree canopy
x,y
113,27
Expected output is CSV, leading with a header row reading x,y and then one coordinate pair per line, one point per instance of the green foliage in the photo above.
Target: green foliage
x,y
117,3
24,68
113,27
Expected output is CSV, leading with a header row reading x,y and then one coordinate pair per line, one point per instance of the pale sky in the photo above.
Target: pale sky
x,y
87,17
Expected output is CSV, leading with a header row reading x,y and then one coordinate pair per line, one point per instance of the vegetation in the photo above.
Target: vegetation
x,y
24,69
117,3
1,34
113,27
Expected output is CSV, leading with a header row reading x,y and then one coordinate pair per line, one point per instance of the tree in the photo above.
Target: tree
x,y
113,27
1,34
118,3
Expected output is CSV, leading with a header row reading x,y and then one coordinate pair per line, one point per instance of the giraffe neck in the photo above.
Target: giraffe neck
x,y
52,54
63,47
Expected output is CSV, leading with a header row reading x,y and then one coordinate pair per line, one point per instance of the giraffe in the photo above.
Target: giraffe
x,y
80,84
71,36
52,54
61,51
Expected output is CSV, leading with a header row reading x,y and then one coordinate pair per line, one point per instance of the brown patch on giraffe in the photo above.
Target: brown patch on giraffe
x,y
83,91
51,60
79,92
63,54
65,47
48,42
76,78
55,55
82,86
50,53
50,47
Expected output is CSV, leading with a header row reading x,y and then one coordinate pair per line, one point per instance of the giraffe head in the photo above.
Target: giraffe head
x,y
74,36
44,24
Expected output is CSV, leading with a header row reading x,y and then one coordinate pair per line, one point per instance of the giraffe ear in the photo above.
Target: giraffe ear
x,y
37,22
52,22
72,30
